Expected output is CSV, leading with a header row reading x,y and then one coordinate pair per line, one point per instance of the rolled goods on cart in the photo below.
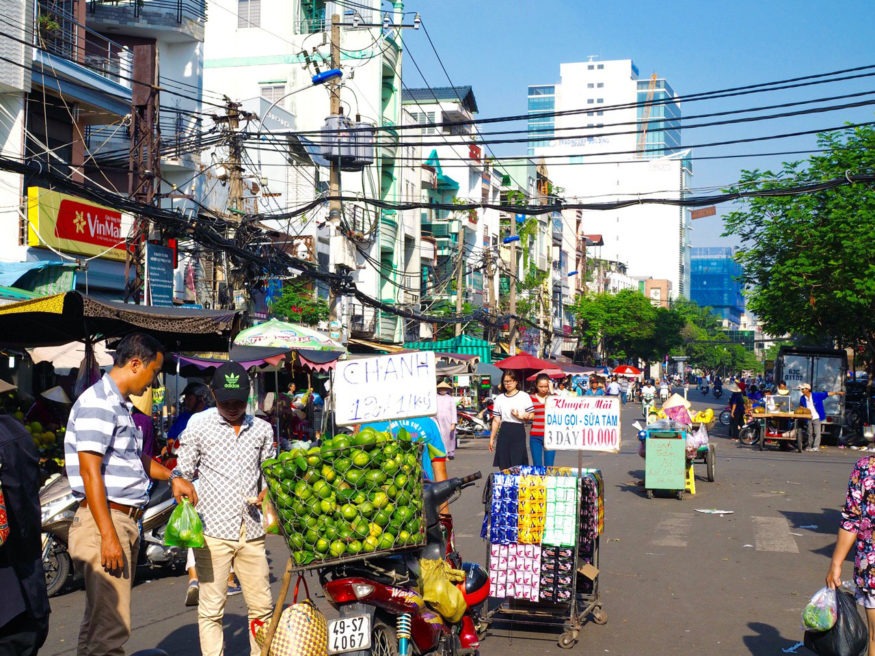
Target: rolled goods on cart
x,y
351,497
543,527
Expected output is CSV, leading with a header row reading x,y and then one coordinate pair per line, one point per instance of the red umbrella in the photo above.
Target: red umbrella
x,y
552,373
627,370
524,361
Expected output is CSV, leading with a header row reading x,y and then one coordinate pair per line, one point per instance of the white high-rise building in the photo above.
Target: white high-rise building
x,y
606,135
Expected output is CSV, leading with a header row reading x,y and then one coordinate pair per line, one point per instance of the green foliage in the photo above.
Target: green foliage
x,y
807,259
298,304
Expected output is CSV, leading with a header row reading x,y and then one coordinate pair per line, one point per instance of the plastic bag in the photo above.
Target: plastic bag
x,y
819,613
848,636
696,439
270,521
438,589
184,529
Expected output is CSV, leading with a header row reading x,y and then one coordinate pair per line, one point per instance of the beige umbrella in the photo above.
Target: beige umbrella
x,y
676,400
70,355
6,387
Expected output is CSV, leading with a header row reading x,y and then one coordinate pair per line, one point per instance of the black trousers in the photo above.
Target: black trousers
x,y
23,635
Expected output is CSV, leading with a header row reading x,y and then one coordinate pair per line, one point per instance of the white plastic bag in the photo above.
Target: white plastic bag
x,y
820,613
697,439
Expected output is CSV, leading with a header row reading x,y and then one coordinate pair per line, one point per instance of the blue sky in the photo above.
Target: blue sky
x,y
499,48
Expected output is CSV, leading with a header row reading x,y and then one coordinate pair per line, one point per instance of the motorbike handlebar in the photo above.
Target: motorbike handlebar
x,y
470,478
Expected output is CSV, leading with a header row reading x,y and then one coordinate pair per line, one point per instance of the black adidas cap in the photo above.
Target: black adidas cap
x,y
230,383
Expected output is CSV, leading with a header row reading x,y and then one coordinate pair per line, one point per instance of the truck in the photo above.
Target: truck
x,y
826,370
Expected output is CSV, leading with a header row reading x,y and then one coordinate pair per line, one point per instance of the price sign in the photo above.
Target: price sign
x,y
385,387
584,423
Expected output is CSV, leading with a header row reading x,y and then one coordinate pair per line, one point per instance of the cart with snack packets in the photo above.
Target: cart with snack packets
x,y
543,526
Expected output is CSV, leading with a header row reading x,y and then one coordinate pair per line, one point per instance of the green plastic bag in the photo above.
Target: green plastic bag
x,y
185,528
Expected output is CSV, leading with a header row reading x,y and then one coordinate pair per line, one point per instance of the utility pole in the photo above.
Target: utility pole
x,y
460,281
335,211
512,295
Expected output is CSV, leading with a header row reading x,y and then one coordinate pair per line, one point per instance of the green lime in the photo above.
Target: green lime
x,y
328,506
327,445
345,533
401,481
403,499
346,494
284,500
296,541
312,475
337,548
303,491
309,521
375,478
322,489
349,512
391,449
328,473
366,437
300,465
341,442
314,461
354,476
342,465
370,543
382,518
314,506
414,526
366,508
390,467
391,491
361,529
322,545
285,455
360,458
311,536
374,529
386,541
290,468
270,462
380,499
354,547
359,497
403,436
331,532
403,514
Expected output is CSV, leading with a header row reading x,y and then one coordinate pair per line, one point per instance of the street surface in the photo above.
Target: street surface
x,y
672,580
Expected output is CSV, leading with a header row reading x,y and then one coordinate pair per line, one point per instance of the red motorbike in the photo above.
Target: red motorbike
x,y
381,610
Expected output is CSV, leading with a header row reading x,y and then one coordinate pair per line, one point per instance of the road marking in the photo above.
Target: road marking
x,y
773,534
673,530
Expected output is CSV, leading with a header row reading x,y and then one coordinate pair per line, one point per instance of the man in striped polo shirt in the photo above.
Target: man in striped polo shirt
x,y
109,473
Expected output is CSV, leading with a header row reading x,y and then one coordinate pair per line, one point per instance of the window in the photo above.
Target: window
x,y
589,101
601,66
426,119
600,101
590,67
248,13
590,113
600,85
589,85
600,113
273,92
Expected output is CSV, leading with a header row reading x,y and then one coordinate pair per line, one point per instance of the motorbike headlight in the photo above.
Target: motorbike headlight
x,y
63,508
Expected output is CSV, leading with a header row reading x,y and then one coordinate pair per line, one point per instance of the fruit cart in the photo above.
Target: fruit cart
x,y
543,527
352,498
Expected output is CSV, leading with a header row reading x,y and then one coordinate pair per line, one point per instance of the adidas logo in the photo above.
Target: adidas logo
x,y
232,381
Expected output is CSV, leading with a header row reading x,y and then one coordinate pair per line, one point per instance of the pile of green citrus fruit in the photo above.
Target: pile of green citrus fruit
x,y
353,494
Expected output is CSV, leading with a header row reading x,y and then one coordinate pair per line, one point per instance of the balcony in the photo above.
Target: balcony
x,y
387,140
363,321
388,328
170,20
388,231
179,140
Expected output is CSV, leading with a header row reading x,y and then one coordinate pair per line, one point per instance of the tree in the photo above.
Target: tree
x,y
807,259
620,325
299,304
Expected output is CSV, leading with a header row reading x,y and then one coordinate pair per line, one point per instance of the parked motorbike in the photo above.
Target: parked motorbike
x,y
58,508
380,610
469,424
726,416
749,433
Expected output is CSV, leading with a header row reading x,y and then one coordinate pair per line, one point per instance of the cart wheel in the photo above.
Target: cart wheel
x,y
680,495
649,493
599,615
711,461
568,639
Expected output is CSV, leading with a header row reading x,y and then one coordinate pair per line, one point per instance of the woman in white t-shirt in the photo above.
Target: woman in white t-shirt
x,y
508,438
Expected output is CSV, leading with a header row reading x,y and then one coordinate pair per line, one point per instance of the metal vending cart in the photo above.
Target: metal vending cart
x,y
543,527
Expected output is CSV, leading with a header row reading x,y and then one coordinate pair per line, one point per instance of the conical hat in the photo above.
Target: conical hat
x,y
675,400
143,402
56,394
6,387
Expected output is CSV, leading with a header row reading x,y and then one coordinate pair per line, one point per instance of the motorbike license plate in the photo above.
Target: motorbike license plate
x,y
349,634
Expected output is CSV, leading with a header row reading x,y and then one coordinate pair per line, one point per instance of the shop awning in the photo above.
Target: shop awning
x,y
368,346
63,318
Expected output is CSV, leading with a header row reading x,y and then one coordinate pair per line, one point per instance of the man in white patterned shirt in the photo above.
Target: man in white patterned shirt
x,y
227,446
109,474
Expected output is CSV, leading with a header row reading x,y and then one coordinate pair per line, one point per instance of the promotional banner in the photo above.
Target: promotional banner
x,y
582,423
71,224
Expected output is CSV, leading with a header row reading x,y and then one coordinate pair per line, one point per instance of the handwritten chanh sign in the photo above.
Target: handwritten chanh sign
x,y
583,423
385,387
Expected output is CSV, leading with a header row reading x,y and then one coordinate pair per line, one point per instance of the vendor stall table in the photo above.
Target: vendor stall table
x,y
774,426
